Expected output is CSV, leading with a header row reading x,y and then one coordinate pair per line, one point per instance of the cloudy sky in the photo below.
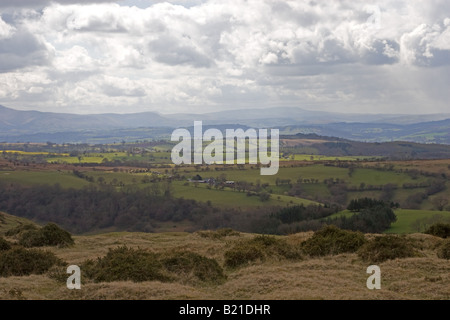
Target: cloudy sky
x,y
83,56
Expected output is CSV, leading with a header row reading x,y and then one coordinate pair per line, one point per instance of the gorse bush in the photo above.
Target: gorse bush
x,y
32,238
260,248
443,251
58,273
331,240
439,230
386,247
4,245
55,236
20,262
243,253
190,265
49,235
123,263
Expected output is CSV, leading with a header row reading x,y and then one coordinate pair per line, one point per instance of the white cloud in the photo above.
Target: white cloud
x,y
202,55
6,31
116,87
40,3
74,60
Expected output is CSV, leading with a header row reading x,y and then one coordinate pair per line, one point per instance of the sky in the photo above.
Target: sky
x,y
195,56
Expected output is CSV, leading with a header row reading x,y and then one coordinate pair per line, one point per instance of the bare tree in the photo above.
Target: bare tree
x,y
440,203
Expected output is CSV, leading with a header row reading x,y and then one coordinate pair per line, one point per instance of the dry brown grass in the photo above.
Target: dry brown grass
x,y
331,277
8,222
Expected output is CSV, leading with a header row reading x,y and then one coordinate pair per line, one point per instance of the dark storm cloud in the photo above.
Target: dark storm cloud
x,y
22,50
382,52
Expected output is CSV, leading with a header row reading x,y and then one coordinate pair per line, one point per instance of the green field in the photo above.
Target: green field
x,y
316,172
314,188
315,157
230,198
343,213
311,189
375,177
98,158
27,153
64,179
405,219
115,178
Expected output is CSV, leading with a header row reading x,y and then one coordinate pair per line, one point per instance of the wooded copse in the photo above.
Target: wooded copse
x,y
94,208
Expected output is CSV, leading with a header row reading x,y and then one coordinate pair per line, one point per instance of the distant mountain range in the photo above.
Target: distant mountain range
x,y
36,126
422,132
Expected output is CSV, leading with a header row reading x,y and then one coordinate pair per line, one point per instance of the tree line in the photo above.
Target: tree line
x,y
95,208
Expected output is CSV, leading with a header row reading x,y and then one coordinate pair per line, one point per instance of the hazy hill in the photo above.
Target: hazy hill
x,y
14,122
35,126
423,132
394,150
283,116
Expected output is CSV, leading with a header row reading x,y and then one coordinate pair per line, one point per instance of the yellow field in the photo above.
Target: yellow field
x,y
26,153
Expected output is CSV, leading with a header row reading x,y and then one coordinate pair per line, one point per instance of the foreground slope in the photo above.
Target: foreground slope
x,y
341,276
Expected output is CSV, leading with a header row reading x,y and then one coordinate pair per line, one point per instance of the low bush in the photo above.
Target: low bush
x,y
32,238
123,263
55,236
387,247
4,245
58,273
331,240
243,253
49,235
20,262
443,251
260,248
439,230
